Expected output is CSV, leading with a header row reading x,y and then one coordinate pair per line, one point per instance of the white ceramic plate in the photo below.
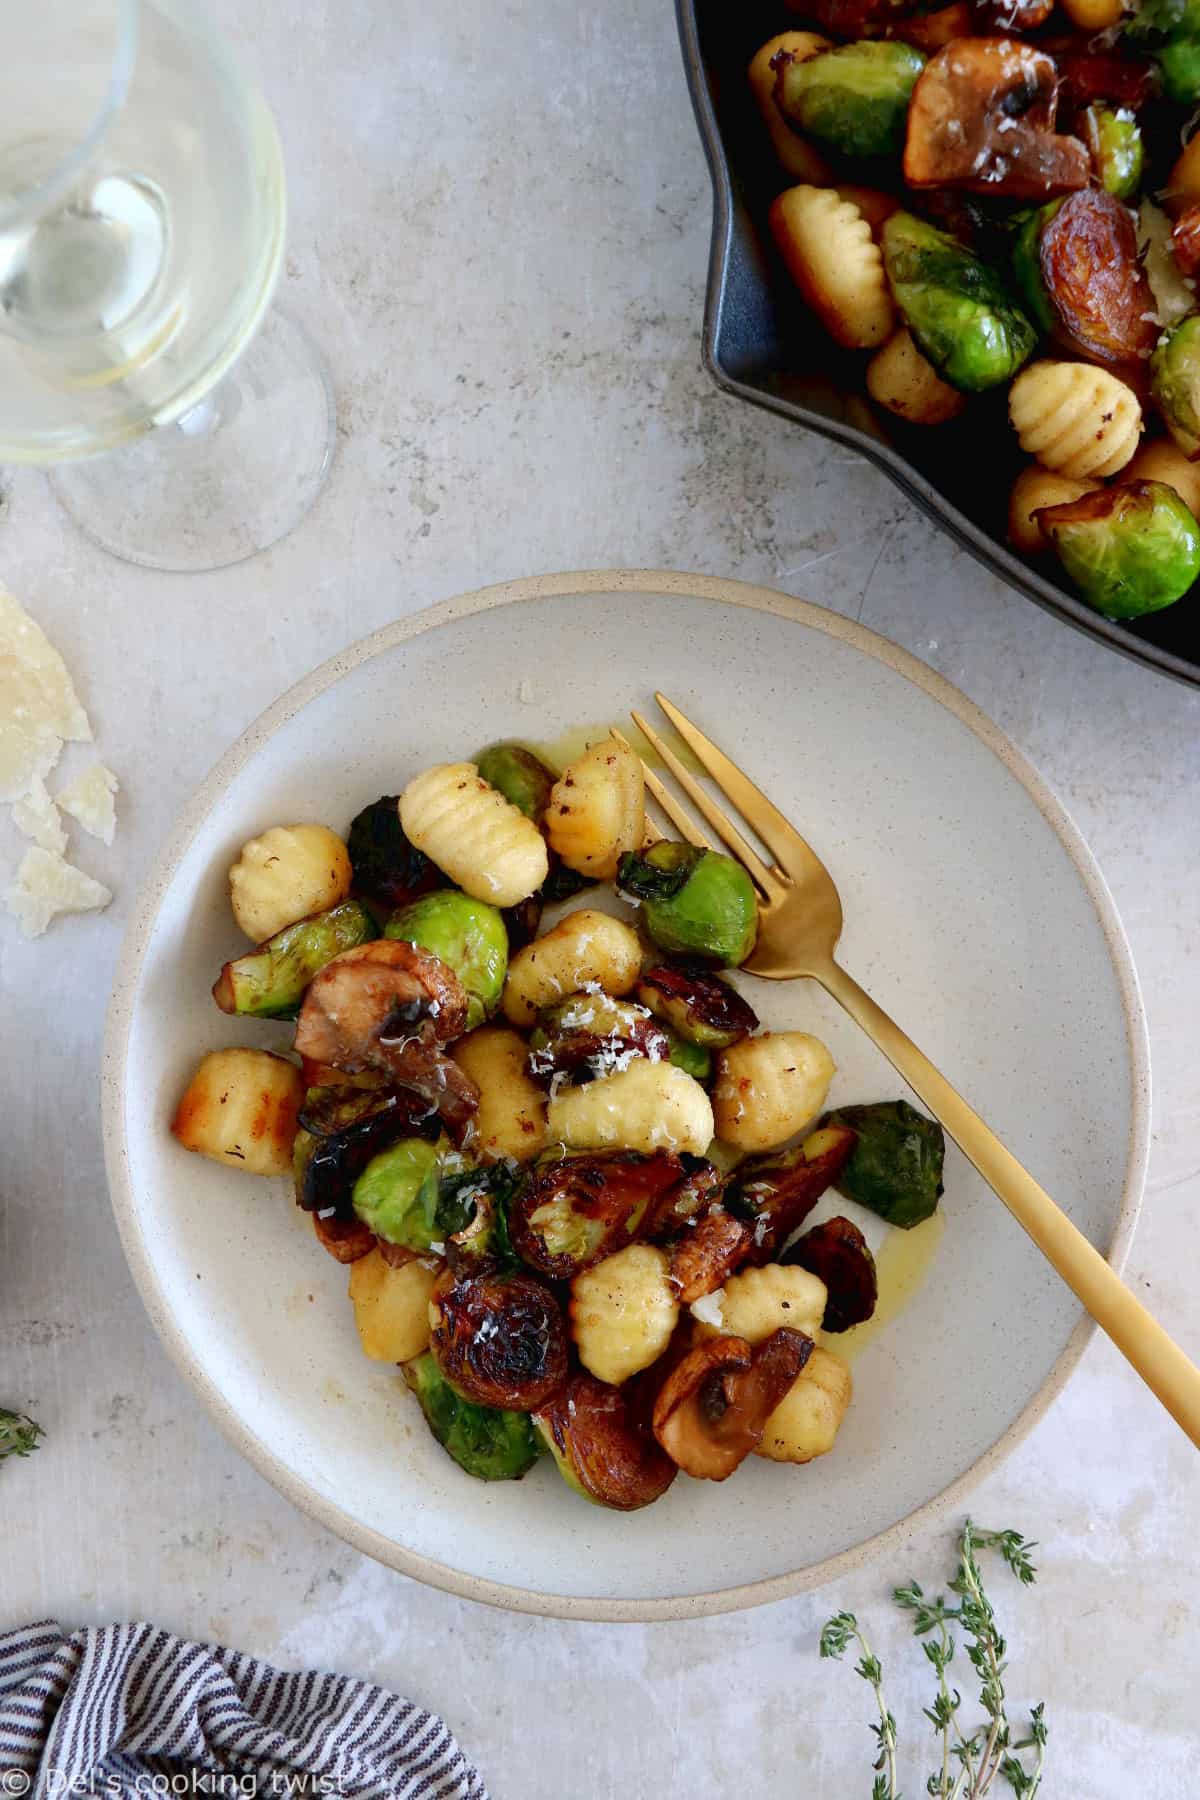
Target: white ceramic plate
x,y
973,912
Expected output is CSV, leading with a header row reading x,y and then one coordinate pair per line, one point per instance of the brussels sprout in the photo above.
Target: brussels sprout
x,y
601,1447
472,1214
1027,267
1129,549
269,983
1175,381
341,1129
855,97
467,935
694,901
693,1059
1118,154
1179,65
490,1444
589,1035
697,1005
1157,22
499,1338
571,1212
895,1167
387,869
519,775
958,309
397,1193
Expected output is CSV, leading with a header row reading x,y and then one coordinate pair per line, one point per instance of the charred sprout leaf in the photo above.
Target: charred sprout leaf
x,y
957,308
472,1215
695,902
519,775
1129,549
895,1166
269,983
1175,380
396,1196
490,1444
697,1005
1114,139
19,1434
570,1212
388,870
499,1339
836,1251
854,97
467,935
775,1193
602,1449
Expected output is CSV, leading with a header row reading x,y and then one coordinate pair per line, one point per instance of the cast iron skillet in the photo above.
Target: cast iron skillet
x,y
761,343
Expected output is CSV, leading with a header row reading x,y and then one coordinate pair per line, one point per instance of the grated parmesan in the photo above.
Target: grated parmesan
x,y
90,798
46,886
708,1308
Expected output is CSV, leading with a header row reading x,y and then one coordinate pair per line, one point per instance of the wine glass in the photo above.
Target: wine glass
x,y
142,218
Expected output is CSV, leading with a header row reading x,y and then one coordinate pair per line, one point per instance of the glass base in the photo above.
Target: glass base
x,y
228,478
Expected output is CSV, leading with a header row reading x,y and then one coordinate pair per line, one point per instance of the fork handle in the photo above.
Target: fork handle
x,y
1158,1359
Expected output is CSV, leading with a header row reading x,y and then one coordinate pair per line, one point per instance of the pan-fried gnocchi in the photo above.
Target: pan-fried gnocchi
x,y
478,838
901,379
769,1088
1076,419
286,874
570,1174
836,263
648,1106
585,949
597,810
240,1108
1035,487
623,1313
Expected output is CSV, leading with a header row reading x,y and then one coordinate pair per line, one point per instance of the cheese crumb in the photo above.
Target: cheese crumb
x,y
38,817
47,886
90,799
708,1308
39,708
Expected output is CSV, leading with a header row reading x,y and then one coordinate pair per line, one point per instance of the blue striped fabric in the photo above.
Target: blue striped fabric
x,y
129,1711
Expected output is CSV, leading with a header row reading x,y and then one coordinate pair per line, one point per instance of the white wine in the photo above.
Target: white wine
x,y
134,267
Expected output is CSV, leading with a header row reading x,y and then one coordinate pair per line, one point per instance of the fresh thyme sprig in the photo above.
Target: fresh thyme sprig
x,y
971,1761
19,1434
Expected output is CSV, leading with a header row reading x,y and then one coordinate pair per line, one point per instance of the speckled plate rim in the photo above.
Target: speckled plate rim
x,y
122,1009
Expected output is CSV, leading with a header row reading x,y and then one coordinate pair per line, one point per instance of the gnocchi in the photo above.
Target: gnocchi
x,y
623,1312
806,1422
1164,461
511,1120
770,1087
797,156
584,948
597,810
475,836
836,263
1034,487
648,1106
757,1302
286,874
240,1108
1076,419
391,1305
902,380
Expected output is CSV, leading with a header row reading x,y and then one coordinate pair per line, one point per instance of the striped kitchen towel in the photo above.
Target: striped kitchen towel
x,y
128,1711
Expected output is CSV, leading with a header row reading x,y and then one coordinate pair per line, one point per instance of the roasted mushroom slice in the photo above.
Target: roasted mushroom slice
x,y
982,117
775,1193
836,1251
1088,256
345,1239
697,1005
572,1212
500,1340
1087,75
711,1409
1185,240
703,1257
602,1449
998,17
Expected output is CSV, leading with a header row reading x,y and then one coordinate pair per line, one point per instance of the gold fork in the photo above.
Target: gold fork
x,y
800,922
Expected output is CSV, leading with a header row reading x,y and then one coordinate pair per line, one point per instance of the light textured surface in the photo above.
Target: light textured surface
x,y
499,233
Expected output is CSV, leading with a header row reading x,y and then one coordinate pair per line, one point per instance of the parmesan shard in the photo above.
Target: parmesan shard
x,y
90,799
38,817
39,708
47,886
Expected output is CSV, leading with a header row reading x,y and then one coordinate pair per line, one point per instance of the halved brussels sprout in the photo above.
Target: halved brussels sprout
x,y
697,1005
1175,381
1179,65
467,935
387,869
499,1339
1130,549
519,775
341,1130
958,309
1114,139
693,1059
396,1195
836,1252
601,1448
694,901
1088,258
1027,266
269,982
491,1444
854,97
571,1212
895,1165
588,1035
